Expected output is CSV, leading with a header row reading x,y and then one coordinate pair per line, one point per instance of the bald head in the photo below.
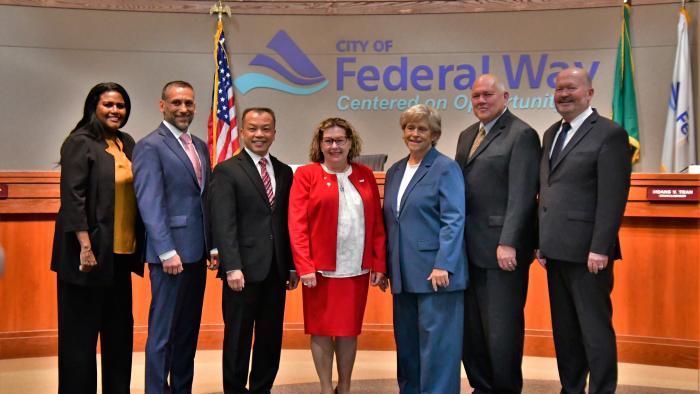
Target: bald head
x,y
573,92
578,73
489,98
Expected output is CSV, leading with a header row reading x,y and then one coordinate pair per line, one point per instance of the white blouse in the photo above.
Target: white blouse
x,y
407,176
350,242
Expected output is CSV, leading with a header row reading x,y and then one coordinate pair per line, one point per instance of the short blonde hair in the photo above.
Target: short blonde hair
x,y
315,152
421,112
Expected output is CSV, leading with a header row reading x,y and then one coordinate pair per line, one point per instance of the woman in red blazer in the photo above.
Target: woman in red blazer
x,y
337,235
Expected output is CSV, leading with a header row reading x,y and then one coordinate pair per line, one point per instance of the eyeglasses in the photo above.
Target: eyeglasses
x,y
341,141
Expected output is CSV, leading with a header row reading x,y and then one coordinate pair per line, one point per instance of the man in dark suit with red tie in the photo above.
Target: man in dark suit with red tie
x,y
249,202
499,156
584,181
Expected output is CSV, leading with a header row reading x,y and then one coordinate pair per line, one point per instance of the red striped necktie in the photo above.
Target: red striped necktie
x,y
266,181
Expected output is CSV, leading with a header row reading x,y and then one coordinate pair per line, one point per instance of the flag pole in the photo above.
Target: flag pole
x,y
624,102
219,9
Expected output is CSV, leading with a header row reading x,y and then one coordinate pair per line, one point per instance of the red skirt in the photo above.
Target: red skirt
x,y
336,306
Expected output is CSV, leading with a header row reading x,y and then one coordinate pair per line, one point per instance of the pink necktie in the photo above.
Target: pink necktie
x,y
192,154
266,181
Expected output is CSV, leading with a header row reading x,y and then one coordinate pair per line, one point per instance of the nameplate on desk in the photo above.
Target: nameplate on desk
x,y
3,191
673,193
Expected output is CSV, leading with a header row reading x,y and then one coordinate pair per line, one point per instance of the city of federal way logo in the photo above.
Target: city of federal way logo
x,y
301,77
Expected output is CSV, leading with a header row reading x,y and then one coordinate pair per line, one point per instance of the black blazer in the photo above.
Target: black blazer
x,y
501,186
249,234
87,203
584,193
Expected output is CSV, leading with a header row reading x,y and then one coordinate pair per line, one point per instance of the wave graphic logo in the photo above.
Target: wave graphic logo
x,y
301,71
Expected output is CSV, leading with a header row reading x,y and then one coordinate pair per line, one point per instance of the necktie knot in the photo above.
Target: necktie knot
x,y
565,127
186,138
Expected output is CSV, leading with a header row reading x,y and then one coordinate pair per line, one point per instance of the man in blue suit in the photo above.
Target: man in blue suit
x,y
424,215
171,171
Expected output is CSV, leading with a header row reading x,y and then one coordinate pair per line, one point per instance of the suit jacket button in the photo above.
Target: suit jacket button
x,y
270,236
544,209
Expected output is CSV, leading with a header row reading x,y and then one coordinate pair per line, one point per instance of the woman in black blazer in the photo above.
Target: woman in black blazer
x,y
97,244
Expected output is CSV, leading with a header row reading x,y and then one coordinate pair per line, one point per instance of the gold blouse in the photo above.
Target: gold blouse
x,y
124,200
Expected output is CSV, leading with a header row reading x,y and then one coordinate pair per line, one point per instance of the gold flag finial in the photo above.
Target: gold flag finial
x,y
219,8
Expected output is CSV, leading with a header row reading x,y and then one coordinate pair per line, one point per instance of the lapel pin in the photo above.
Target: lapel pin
x,y
362,180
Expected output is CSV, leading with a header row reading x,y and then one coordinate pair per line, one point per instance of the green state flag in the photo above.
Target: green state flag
x,y
624,105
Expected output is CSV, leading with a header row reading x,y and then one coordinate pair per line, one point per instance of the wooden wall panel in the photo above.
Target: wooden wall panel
x,y
655,300
329,7
28,287
667,286
537,305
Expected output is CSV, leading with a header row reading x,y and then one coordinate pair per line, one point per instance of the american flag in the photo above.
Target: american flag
x,y
223,139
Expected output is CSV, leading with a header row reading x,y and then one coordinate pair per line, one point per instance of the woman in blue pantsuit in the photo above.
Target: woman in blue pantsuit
x,y
424,214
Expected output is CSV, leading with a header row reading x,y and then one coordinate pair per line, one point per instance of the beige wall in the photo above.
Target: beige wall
x,y
51,57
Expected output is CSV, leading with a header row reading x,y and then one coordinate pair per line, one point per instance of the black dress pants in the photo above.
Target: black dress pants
x,y
84,313
494,328
584,338
258,308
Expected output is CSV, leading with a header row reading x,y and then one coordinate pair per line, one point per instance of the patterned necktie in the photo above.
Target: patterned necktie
x,y
266,181
477,141
559,145
192,154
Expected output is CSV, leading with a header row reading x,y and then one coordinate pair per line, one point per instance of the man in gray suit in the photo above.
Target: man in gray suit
x,y
585,178
499,156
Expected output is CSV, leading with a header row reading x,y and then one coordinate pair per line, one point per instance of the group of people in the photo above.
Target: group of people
x,y
453,240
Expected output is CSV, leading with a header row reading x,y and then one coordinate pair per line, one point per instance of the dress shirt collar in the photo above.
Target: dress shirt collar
x,y
256,158
578,121
175,131
489,125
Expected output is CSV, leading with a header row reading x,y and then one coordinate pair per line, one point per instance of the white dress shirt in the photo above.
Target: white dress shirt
x,y
575,124
407,176
270,170
350,243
